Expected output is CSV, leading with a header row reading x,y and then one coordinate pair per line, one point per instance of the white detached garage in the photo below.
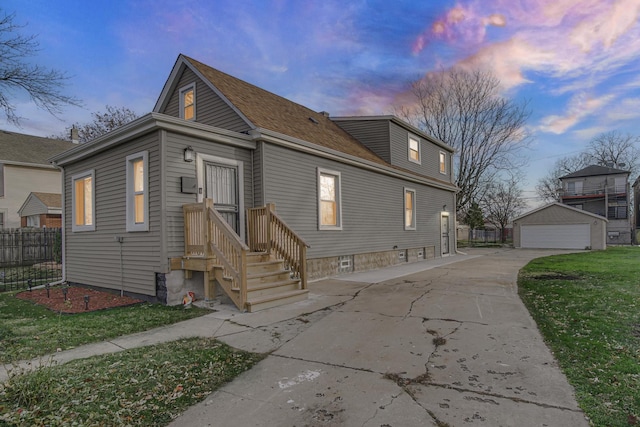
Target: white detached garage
x,y
558,226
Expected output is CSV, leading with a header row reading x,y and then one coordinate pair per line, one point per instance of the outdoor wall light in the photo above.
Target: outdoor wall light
x,y
444,207
189,154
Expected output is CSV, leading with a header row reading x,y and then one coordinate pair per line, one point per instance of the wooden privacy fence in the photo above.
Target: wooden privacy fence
x,y
269,233
29,255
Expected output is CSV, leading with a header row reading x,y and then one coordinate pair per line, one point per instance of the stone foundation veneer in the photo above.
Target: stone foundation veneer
x,y
173,286
319,268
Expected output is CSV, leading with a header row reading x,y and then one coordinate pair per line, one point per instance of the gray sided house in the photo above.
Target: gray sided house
x,y
603,191
227,187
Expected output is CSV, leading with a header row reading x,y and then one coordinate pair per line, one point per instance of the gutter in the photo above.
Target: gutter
x,y
148,123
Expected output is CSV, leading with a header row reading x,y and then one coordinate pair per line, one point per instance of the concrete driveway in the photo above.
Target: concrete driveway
x,y
449,344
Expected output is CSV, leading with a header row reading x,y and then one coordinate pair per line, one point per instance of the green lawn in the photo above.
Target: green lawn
x,y
28,331
587,307
146,386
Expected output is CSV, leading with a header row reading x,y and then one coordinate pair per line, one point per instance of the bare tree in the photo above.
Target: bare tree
x,y
548,187
502,202
616,150
44,86
607,149
466,110
103,122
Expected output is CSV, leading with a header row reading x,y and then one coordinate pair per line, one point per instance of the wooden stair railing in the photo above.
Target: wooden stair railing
x,y
269,233
207,235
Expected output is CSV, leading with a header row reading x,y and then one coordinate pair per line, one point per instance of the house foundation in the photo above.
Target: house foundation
x,y
320,268
178,284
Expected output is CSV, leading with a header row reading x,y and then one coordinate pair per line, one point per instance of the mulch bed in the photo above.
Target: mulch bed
x,y
74,303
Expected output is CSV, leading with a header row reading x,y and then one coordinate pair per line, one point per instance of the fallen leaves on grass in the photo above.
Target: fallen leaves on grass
x,y
144,386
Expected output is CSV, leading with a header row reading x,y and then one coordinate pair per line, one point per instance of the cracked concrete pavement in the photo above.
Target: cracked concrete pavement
x,y
450,345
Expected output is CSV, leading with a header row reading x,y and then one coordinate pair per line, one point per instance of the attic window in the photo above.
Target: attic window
x,y
313,120
188,102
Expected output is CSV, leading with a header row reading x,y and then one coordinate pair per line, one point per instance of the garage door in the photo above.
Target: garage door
x,y
565,236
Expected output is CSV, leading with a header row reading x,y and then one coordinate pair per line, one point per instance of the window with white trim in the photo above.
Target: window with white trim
x,y
83,201
138,192
188,102
409,209
414,149
443,162
329,200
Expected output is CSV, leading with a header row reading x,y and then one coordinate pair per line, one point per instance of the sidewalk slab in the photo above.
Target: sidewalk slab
x,y
502,360
289,392
458,408
365,341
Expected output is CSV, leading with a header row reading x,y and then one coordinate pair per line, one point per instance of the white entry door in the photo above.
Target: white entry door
x,y
221,185
444,224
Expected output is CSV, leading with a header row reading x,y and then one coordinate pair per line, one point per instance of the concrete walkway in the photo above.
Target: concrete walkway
x,y
443,342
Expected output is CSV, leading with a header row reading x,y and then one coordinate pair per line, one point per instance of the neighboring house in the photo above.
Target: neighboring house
x,y
41,210
24,168
320,196
603,191
559,226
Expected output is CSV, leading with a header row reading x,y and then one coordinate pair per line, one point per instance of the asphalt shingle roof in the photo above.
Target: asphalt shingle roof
x,y
50,200
21,148
270,111
594,170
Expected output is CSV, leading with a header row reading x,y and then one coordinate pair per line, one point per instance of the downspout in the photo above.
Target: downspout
x,y
63,228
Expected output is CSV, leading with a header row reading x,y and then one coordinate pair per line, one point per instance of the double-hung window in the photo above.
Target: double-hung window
x,y
188,102
443,162
409,209
414,149
329,200
83,201
138,192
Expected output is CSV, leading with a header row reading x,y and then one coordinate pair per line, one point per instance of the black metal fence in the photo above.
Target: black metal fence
x,y
29,256
490,235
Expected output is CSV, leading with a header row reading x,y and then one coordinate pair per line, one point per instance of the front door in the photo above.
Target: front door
x,y
221,185
445,233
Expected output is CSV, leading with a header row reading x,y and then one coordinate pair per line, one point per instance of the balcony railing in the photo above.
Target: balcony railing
x,y
594,191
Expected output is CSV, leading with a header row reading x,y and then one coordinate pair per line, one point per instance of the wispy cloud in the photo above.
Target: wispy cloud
x,y
581,106
579,45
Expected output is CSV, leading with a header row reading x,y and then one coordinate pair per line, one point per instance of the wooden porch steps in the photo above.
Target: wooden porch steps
x,y
269,284
276,300
252,280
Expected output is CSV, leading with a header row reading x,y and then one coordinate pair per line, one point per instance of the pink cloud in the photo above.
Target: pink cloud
x,y
458,25
606,28
580,106
579,43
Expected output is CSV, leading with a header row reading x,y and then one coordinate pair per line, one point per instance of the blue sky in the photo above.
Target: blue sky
x,y
577,62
